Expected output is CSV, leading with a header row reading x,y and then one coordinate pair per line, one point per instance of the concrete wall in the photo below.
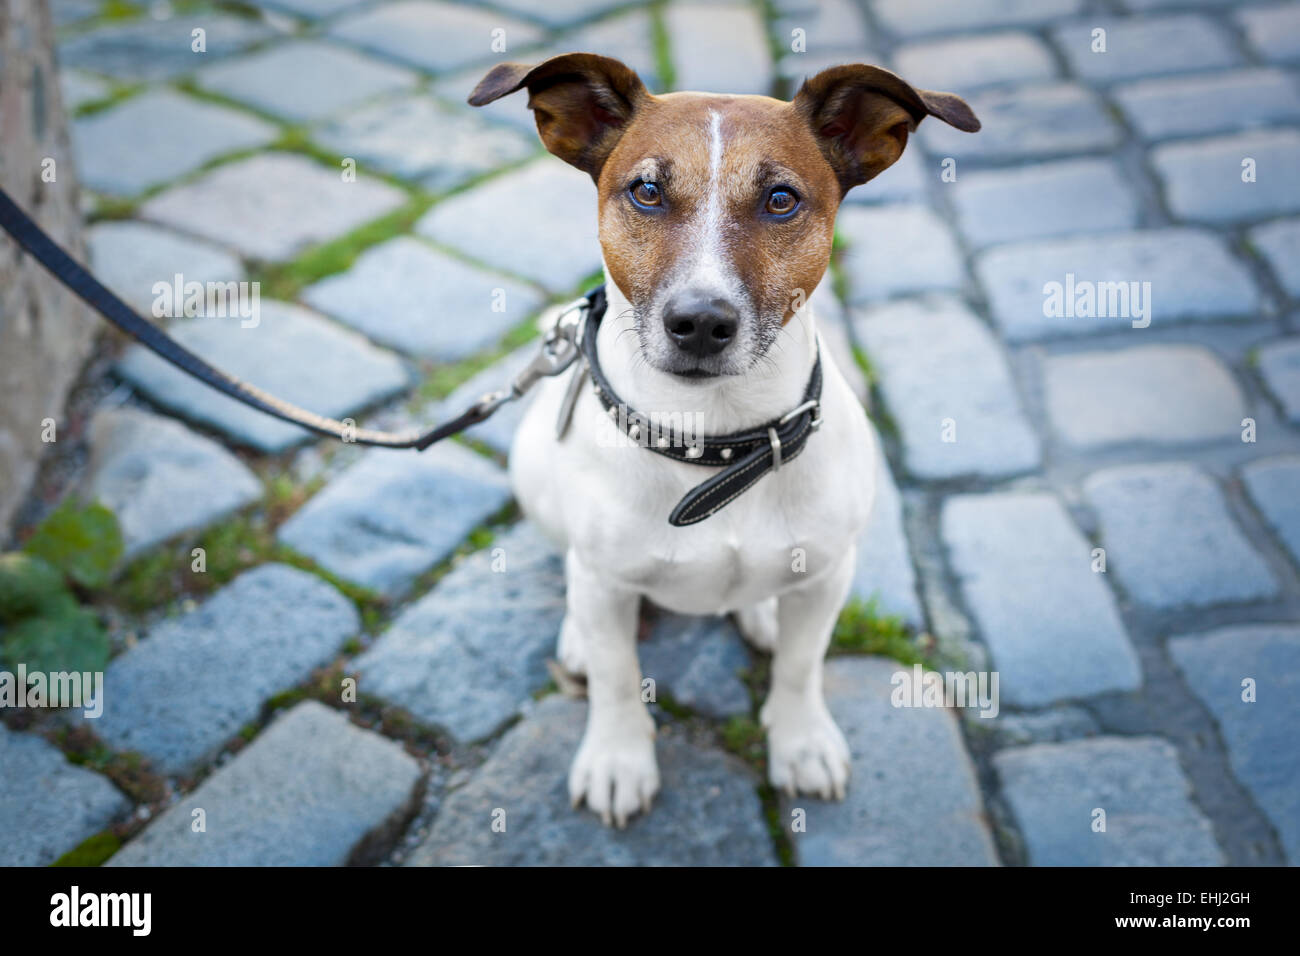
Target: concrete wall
x,y
45,332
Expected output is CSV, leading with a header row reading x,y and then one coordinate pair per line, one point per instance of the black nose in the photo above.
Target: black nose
x,y
701,325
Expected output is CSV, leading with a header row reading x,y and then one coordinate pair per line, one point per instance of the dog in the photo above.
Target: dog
x,y
716,217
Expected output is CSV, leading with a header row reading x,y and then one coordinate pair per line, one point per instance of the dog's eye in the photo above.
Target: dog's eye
x,y
646,194
782,202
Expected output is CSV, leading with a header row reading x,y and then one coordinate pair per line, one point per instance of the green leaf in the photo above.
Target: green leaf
x,y
27,584
65,637
84,543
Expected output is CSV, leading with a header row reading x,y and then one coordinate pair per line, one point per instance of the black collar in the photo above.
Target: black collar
x,y
744,456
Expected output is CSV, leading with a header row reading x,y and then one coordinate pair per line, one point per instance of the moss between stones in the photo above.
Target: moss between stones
x,y
91,852
862,629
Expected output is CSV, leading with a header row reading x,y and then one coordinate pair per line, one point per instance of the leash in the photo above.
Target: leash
x,y
744,457
558,351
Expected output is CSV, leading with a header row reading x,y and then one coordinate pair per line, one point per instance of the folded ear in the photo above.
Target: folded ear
x,y
861,115
582,103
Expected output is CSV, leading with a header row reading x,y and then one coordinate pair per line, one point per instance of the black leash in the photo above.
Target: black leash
x,y
48,253
744,457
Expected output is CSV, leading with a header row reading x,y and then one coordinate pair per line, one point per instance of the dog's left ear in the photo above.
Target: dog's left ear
x,y
582,103
861,115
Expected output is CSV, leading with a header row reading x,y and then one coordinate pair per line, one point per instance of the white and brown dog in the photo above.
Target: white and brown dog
x,y
716,220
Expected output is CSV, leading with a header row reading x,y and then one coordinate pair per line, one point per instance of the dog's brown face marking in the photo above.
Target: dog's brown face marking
x,y
717,212
746,206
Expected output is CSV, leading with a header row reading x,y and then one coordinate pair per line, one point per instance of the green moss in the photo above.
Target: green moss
x,y
445,379
28,584
82,541
338,255
662,47
861,629
671,706
120,10
744,737
92,852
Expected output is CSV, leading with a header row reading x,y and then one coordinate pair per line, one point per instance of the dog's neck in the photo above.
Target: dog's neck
x,y
771,387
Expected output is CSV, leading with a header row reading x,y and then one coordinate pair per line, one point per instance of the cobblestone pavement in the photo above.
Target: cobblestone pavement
x,y
1099,506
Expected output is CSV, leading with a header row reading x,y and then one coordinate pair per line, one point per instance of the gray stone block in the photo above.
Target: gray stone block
x,y
947,386
1051,199
1161,394
145,49
47,805
466,657
433,35
132,257
1260,734
1279,366
539,221
1192,275
161,479
394,515
274,205
894,250
180,694
1280,243
913,799
79,88
417,137
1273,30
1050,621
1170,540
1145,46
1027,122
1209,102
1272,484
741,64
1203,178
407,295
915,17
963,64
707,812
292,353
1055,790
310,791
698,661
304,80
157,136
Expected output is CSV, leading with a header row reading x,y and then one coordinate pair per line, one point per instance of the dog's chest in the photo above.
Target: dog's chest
x,y
770,539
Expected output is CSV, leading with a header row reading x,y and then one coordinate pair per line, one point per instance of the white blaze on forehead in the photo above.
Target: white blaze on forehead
x,y
705,267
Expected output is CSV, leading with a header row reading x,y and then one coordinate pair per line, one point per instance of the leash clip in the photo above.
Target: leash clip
x,y
559,348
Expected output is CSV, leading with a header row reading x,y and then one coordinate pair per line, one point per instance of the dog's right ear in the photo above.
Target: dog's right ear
x,y
582,102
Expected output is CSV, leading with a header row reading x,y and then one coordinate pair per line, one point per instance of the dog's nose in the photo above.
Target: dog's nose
x,y
699,325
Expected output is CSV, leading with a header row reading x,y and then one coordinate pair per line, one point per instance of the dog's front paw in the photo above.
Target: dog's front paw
x,y
806,752
571,649
615,771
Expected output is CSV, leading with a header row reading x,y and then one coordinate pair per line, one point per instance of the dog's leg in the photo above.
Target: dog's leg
x,y
615,768
570,650
758,624
806,751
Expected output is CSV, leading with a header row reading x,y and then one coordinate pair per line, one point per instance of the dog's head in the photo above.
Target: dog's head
x,y
717,212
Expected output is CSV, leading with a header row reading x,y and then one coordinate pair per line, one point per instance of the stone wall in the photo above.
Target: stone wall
x,y
45,332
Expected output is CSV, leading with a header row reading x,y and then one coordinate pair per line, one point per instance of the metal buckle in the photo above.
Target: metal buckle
x,y
814,404
560,348
776,449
